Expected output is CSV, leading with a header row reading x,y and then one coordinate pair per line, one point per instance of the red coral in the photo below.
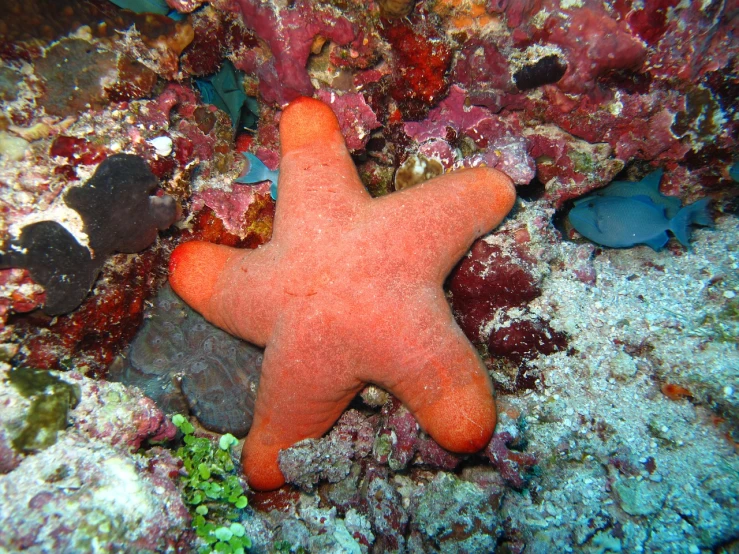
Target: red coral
x,y
422,59
485,281
524,340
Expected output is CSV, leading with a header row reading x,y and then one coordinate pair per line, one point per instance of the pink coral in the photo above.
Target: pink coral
x,y
355,117
594,43
230,206
289,33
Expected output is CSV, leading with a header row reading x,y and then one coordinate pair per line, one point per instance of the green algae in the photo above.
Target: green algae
x,y
212,490
51,399
583,162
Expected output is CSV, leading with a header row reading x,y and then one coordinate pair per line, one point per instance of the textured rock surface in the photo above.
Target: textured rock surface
x,y
80,495
88,490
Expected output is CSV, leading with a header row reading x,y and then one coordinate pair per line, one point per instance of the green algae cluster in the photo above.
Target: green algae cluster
x,y
51,399
212,490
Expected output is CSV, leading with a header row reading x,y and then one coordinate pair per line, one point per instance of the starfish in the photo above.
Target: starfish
x,y
349,291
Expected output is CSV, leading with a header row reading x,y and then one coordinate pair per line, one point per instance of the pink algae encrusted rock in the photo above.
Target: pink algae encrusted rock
x,y
505,450
512,465
569,167
509,154
684,42
117,415
193,131
634,125
499,139
594,43
80,492
157,111
395,441
355,117
453,113
231,207
289,33
328,458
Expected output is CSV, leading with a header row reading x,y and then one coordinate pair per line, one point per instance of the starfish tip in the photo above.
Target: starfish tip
x,y
306,122
194,268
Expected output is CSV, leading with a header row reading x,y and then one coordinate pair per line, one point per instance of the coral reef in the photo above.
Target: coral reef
x,y
105,322
616,371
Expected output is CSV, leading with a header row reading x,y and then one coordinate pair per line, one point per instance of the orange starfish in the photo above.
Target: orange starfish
x,y
349,292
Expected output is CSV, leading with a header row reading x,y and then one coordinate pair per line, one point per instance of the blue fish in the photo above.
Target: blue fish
x,y
648,186
150,6
259,172
622,222
734,171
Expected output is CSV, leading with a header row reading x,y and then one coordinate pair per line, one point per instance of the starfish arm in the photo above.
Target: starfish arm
x,y
317,174
444,215
306,384
202,274
425,360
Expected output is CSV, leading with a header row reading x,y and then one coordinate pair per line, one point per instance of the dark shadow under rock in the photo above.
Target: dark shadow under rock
x,y
185,364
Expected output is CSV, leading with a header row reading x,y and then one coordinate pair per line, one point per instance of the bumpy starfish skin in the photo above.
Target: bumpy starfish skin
x,y
348,292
